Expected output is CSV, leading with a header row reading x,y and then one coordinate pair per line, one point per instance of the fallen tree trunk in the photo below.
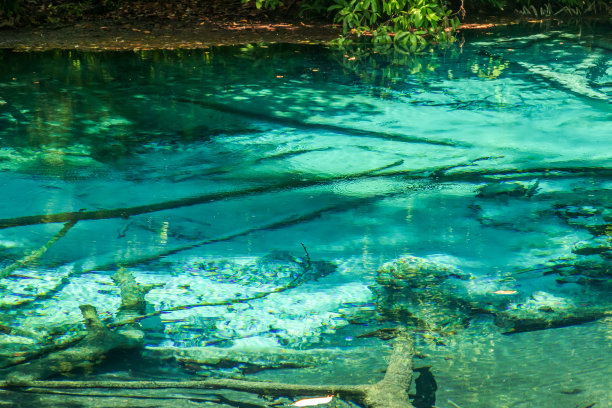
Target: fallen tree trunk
x,y
257,359
435,174
88,350
285,222
126,212
390,392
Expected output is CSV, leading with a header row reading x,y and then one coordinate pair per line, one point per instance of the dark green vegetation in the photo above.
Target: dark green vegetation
x,y
410,23
415,22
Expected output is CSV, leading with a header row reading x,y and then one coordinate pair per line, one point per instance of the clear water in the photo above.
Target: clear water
x,y
208,173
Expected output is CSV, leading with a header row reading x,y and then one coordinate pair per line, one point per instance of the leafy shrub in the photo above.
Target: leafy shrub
x,y
409,22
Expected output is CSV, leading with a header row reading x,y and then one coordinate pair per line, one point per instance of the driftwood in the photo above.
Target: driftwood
x,y
390,392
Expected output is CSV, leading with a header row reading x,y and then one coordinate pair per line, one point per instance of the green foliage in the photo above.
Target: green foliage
x,y
412,23
409,22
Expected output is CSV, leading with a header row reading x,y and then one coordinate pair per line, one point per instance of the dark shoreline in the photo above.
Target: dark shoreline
x,y
109,35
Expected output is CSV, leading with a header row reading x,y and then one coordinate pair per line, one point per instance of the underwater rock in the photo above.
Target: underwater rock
x,y
607,215
573,211
416,271
543,310
593,218
436,297
595,246
507,189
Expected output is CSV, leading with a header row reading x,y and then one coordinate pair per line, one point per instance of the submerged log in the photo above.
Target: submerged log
x,y
254,360
440,174
98,342
125,212
34,255
139,259
390,392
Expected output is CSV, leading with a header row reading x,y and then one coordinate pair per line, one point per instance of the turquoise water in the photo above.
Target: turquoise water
x,y
292,174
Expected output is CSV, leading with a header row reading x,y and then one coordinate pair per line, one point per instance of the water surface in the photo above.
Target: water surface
x,y
226,173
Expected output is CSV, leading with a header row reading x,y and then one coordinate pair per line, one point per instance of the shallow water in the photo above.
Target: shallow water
x,y
234,172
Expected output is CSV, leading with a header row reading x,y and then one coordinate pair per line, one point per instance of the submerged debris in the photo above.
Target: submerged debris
x,y
436,297
508,189
420,292
596,246
277,268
